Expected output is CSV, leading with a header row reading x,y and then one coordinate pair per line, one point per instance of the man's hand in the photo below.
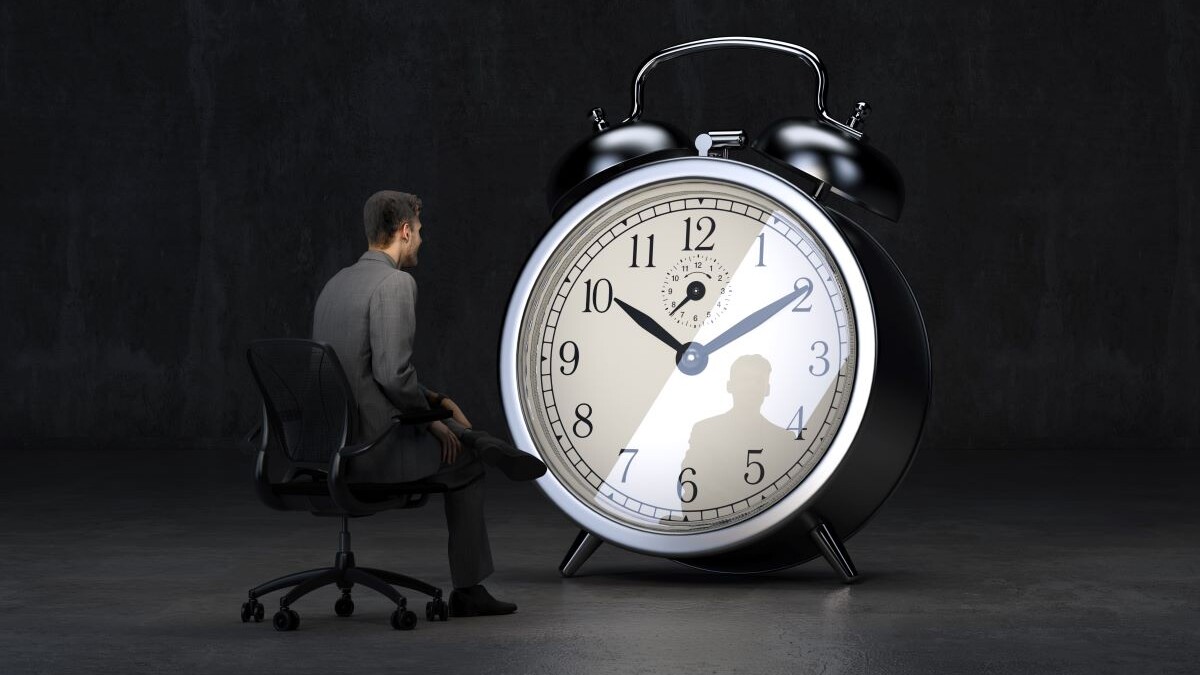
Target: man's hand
x,y
451,446
435,400
456,412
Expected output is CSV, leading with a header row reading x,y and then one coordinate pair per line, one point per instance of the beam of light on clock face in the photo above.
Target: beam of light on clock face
x,y
688,358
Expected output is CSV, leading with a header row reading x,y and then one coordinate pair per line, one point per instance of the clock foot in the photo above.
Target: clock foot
x,y
834,552
585,545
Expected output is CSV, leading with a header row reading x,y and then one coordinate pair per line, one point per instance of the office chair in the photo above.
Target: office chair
x,y
307,404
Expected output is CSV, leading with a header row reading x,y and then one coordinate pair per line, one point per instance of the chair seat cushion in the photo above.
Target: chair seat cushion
x,y
314,483
364,491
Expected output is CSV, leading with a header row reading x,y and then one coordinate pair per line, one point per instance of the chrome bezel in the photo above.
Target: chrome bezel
x,y
684,544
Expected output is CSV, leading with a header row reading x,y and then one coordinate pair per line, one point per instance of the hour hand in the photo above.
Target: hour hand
x,y
650,325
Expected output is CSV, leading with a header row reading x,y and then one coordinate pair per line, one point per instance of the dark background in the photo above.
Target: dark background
x,y
177,179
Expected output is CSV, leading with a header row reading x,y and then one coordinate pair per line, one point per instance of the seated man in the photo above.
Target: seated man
x,y
367,313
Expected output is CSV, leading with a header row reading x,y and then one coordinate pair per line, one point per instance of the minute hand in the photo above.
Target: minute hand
x,y
751,322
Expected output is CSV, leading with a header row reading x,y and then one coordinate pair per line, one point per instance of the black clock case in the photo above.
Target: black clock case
x,y
841,161
887,439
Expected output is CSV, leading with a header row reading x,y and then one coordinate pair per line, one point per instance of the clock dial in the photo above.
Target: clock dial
x,y
686,356
696,290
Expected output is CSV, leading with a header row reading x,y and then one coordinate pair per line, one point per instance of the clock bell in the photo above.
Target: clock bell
x,y
836,156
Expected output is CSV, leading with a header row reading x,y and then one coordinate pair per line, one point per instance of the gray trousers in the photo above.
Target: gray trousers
x,y
468,547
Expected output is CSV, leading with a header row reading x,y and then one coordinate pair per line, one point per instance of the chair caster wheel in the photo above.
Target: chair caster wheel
x,y
344,606
285,619
252,609
436,610
402,619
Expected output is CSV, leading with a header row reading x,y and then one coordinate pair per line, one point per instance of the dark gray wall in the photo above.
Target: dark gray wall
x,y
178,179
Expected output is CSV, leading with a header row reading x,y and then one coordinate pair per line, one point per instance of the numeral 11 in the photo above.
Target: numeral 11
x,y
650,255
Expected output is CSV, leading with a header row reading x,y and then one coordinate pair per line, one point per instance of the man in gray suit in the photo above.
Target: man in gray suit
x,y
367,312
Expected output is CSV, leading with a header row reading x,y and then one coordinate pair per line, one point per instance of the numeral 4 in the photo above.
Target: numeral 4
x,y
797,424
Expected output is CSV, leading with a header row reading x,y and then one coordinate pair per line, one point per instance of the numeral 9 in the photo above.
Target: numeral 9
x,y
573,359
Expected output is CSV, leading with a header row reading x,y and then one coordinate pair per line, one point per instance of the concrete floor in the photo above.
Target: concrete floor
x,y
996,562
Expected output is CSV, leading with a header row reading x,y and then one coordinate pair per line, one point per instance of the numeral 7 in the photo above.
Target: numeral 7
x,y
632,452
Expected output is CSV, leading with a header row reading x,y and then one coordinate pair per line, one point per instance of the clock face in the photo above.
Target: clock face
x,y
685,356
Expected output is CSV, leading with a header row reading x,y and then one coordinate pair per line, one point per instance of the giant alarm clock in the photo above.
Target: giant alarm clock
x,y
715,366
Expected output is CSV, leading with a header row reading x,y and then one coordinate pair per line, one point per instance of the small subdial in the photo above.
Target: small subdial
x,y
696,290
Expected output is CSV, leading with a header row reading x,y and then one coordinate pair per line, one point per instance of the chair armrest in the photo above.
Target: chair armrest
x,y
339,489
399,420
423,416
352,451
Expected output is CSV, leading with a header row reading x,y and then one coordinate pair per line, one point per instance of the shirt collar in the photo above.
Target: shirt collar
x,y
379,256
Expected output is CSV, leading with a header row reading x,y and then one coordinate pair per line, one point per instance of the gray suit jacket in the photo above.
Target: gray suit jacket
x,y
367,312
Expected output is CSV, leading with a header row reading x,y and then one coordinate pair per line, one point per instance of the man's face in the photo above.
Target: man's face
x,y
409,254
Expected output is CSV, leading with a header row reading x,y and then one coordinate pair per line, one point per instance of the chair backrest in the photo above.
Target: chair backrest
x,y
306,396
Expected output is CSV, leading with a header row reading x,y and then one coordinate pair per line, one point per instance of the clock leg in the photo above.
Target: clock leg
x,y
585,545
834,552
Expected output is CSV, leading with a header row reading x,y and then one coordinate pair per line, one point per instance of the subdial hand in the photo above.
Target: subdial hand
x,y
695,291
802,288
650,326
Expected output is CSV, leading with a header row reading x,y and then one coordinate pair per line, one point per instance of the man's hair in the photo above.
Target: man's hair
x,y
385,211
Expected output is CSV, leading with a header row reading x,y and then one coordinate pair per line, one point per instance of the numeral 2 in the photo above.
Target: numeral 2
x,y
805,286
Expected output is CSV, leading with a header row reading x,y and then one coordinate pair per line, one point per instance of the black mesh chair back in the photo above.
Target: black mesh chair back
x,y
306,396
309,408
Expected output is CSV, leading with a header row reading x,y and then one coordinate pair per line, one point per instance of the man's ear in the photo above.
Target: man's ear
x,y
404,230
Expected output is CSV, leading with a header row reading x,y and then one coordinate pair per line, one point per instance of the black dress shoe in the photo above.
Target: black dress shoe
x,y
476,601
515,464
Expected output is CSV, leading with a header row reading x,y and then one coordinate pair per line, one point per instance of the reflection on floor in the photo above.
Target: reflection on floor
x,y
137,560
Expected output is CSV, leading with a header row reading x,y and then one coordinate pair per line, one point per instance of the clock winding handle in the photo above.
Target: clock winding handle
x,y
738,43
